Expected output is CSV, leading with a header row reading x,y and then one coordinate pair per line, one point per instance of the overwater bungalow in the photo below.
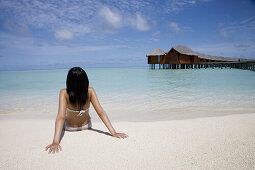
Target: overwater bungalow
x,y
156,56
183,57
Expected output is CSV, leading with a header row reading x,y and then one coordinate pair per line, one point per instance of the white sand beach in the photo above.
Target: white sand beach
x,y
226,142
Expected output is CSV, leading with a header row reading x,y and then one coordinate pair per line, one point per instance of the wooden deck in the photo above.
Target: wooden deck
x,y
248,65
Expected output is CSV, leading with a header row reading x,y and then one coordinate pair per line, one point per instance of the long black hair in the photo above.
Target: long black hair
x,y
77,84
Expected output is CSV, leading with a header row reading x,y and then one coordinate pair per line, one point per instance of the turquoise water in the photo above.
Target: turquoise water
x,y
136,93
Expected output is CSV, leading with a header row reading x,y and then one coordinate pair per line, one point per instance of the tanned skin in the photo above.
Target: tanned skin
x,y
60,119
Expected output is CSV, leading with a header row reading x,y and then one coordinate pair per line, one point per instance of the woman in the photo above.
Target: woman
x,y
73,111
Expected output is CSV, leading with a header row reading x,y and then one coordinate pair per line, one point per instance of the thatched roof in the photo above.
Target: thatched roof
x,y
156,52
185,50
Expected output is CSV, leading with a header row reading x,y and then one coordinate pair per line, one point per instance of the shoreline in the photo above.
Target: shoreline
x,y
143,116
225,142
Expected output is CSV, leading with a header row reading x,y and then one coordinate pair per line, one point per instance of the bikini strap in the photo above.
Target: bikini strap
x,y
80,113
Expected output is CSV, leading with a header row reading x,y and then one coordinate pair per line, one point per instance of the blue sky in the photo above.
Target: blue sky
x,y
58,34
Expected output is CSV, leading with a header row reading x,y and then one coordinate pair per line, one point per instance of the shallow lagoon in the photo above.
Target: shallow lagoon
x,y
135,94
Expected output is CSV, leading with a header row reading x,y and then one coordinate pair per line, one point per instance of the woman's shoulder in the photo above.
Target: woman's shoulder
x,y
90,90
63,92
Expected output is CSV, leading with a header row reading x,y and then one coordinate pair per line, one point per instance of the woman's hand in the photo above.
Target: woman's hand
x,y
53,148
120,135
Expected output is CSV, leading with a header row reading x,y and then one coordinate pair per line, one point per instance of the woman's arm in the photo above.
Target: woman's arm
x,y
55,147
103,116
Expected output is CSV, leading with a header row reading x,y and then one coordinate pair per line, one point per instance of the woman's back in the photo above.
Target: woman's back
x,y
74,116
73,110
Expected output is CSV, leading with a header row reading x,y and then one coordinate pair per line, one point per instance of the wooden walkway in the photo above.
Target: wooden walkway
x,y
239,65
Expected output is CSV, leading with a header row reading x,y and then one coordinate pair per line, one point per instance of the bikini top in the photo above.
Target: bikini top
x,y
80,112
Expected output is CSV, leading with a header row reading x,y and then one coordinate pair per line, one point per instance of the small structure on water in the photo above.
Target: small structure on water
x,y
156,56
183,57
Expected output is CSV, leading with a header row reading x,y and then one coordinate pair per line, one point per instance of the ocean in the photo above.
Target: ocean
x,y
135,93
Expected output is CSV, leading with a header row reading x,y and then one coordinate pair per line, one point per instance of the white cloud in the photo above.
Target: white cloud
x,y
63,35
17,28
109,19
178,5
50,15
174,26
241,30
27,45
79,16
139,23
156,35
